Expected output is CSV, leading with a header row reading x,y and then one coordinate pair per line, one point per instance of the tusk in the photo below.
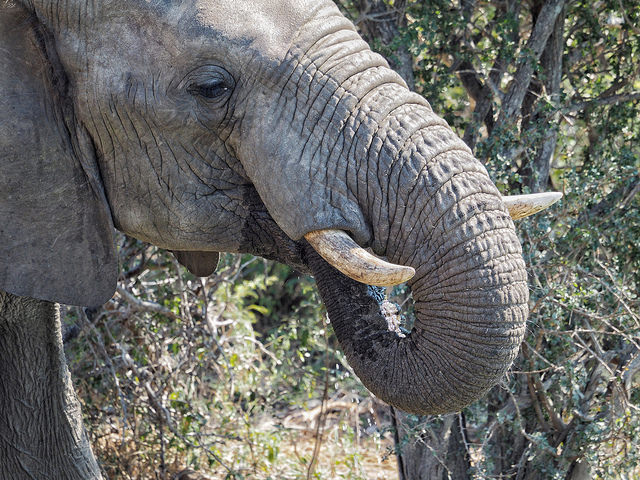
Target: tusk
x,y
521,206
344,254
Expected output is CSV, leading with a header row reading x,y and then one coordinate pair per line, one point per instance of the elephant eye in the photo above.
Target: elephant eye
x,y
211,83
211,90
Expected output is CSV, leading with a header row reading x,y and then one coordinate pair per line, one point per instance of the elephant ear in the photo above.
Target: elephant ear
x,y
56,231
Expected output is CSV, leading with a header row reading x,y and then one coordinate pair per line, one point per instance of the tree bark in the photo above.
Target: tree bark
x,y
580,471
41,430
438,452
536,173
536,44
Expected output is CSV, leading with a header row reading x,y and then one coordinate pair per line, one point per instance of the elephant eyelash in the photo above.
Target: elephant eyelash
x,y
210,90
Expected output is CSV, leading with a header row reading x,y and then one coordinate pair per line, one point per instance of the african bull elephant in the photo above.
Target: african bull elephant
x,y
206,126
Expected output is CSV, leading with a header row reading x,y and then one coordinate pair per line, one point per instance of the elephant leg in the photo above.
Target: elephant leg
x,y
41,430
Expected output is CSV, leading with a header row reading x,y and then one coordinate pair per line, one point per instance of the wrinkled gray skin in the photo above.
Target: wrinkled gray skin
x,y
206,126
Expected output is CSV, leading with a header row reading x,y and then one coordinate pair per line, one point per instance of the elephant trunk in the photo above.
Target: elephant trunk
x,y
355,150
431,206
441,215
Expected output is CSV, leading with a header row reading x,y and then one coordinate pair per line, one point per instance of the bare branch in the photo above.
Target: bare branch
x,y
137,305
601,101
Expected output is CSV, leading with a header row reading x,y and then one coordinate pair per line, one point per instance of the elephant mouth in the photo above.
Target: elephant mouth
x,y
340,251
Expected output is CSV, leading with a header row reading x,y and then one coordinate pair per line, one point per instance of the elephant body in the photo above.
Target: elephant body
x,y
205,127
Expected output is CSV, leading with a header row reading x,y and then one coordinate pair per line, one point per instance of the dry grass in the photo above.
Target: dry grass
x,y
272,448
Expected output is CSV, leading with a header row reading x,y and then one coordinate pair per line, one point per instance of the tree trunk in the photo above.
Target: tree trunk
x,y
382,22
544,26
437,452
536,173
41,430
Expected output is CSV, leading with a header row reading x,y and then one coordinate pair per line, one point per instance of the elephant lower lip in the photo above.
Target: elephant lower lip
x,y
201,264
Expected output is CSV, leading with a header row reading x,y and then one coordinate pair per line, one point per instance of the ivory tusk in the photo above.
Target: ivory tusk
x,y
344,254
521,206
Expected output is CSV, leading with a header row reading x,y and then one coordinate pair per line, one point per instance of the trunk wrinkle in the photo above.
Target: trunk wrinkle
x,y
479,208
449,282
439,258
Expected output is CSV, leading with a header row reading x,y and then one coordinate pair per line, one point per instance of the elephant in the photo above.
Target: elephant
x,y
258,127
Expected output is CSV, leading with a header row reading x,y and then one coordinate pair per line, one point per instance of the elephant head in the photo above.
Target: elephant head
x,y
207,126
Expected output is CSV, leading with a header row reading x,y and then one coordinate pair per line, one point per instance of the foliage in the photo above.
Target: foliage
x,y
225,375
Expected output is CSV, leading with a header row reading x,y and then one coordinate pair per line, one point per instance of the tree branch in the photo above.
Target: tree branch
x,y
535,45
138,305
536,172
601,101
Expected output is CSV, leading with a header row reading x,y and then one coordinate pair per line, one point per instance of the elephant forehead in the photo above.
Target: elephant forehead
x,y
268,27
171,37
